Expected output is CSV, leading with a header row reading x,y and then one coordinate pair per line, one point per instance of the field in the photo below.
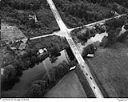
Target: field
x,y
10,33
110,67
68,86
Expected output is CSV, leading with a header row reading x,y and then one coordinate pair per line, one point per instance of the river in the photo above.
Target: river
x,y
33,74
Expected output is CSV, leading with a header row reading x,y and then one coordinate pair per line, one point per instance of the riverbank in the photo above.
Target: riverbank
x,y
41,71
28,58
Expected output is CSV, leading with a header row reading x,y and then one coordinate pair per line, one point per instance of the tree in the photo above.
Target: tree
x,y
54,51
123,37
24,4
111,37
115,23
104,42
34,91
90,49
37,89
99,29
126,26
9,78
83,36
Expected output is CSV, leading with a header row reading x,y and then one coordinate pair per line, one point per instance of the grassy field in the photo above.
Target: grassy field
x,y
110,67
68,86
11,33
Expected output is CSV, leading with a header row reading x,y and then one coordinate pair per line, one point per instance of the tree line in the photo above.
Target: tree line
x,y
40,87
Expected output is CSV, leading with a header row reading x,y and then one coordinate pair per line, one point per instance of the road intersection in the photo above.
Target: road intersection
x,y
65,32
83,66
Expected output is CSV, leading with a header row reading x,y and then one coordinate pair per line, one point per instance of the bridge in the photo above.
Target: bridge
x,y
83,66
65,32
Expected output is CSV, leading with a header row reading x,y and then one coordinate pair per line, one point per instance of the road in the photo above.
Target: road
x,y
57,33
83,66
98,22
60,33
42,36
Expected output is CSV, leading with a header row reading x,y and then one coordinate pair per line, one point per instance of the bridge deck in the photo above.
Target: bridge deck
x,y
83,66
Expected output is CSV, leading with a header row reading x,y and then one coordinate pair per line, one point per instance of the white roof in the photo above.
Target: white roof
x,y
90,55
72,68
41,50
2,71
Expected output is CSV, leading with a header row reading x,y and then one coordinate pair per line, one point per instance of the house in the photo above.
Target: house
x,y
42,51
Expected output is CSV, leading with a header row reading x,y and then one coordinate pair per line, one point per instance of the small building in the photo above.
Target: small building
x,y
42,51
72,68
2,71
90,55
33,17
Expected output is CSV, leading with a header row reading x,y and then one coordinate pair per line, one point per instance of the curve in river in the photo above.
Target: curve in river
x,y
33,74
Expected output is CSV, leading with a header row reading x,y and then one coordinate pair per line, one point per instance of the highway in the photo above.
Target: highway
x,y
83,66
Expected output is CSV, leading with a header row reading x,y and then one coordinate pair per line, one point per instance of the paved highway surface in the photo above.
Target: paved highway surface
x,y
65,32
83,66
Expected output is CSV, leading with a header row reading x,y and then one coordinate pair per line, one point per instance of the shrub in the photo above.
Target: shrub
x,y
90,49
123,36
81,11
126,26
24,4
84,35
9,78
40,87
99,29
104,42
115,23
35,91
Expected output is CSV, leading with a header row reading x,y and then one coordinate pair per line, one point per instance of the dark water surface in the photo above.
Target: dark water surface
x,y
33,74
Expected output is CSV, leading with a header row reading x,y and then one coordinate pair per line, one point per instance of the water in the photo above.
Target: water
x,y
59,59
33,74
